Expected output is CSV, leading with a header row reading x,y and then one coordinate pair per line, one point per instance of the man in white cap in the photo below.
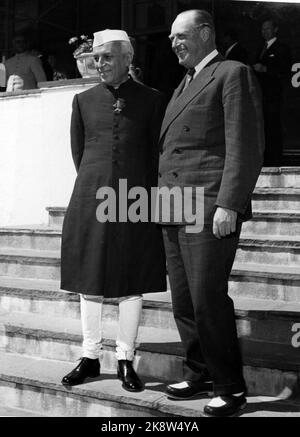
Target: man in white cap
x,y
114,136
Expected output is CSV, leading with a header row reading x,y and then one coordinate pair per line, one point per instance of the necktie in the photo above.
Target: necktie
x,y
189,77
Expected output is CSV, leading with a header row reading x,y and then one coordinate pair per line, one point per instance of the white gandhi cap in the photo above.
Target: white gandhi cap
x,y
109,35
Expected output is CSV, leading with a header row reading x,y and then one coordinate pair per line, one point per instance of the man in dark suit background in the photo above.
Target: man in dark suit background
x,y
273,63
212,137
234,51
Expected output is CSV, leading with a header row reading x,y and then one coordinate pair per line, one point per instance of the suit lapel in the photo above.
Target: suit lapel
x,y
176,93
179,101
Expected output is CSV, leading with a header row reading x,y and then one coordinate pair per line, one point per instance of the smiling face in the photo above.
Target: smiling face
x,y
112,63
189,40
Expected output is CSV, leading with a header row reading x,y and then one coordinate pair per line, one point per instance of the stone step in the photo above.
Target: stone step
x,y
29,382
279,177
265,281
279,222
30,263
254,280
275,250
44,297
276,199
271,358
35,383
30,237
60,339
257,316
18,412
253,247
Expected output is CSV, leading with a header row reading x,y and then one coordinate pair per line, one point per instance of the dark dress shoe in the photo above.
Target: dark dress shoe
x,y
87,368
233,405
126,373
193,389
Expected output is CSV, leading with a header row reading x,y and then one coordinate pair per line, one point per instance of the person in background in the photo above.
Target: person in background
x,y
57,74
23,70
273,64
43,57
234,51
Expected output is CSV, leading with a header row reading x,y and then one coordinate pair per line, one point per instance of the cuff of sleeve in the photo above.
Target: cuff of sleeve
x,y
232,208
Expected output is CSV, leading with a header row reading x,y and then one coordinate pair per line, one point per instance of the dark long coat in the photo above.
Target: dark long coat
x,y
113,259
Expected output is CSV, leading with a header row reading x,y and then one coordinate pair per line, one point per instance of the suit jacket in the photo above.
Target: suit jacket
x,y
238,53
29,68
212,136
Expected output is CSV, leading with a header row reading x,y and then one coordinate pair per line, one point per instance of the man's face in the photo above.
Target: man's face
x,y
20,44
268,30
186,41
111,63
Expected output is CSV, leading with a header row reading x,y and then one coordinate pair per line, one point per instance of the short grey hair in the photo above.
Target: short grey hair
x,y
127,49
202,18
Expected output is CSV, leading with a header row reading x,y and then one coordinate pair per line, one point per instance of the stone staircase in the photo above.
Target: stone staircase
x,y
40,334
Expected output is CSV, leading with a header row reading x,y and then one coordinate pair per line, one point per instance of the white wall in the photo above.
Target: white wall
x,y
36,167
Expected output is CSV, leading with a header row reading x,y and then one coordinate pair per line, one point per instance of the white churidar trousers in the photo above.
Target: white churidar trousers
x,y
130,310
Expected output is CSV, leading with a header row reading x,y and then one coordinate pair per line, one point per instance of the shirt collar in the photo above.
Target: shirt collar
x,y
205,61
271,41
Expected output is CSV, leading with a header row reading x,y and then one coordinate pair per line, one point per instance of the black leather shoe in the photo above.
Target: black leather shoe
x,y
193,389
126,373
232,406
87,368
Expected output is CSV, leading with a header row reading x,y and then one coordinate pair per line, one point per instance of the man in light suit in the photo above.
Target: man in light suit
x,y
212,136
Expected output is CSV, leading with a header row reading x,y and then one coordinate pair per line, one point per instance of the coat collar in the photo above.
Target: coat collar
x,y
179,101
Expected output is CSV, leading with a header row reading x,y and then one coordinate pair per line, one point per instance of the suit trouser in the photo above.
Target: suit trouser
x,y
130,309
199,266
273,136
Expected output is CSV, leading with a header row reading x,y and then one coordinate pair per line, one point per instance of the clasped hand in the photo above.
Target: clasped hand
x,y
224,222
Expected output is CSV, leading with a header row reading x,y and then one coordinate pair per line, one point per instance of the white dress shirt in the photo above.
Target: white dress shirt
x,y
271,41
205,61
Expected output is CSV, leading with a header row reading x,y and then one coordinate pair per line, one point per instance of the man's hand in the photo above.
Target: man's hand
x,y
260,68
224,222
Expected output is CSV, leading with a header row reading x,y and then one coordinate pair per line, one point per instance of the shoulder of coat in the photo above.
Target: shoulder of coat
x,y
148,91
90,92
229,66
